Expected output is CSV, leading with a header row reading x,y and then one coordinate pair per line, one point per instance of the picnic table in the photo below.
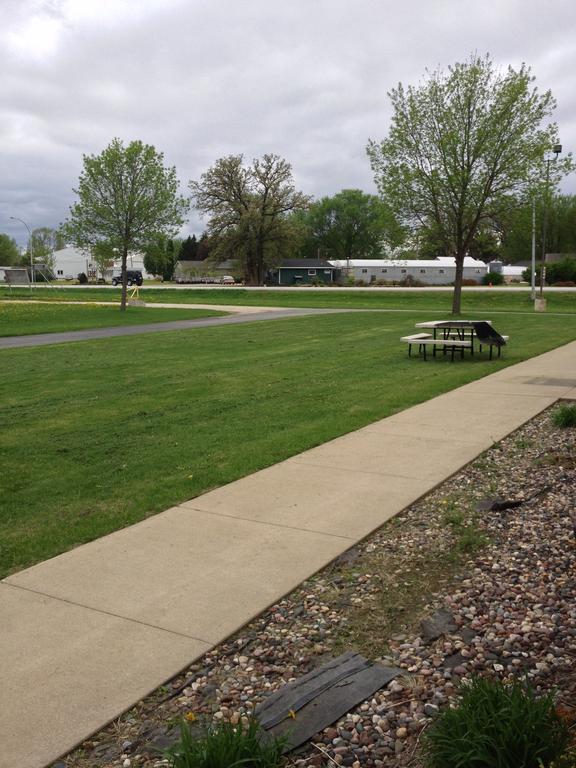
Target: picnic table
x,y
460,329
452,335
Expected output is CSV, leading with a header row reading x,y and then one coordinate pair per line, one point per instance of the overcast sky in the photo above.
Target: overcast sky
x,y
199,79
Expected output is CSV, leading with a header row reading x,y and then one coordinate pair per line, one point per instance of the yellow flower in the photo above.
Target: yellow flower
x,y
292,714
191,717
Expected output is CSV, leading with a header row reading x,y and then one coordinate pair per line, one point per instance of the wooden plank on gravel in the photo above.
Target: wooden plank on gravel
x,y
306,706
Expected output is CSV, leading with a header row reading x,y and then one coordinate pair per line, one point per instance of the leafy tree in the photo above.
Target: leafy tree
x,y
205,247
154,253
160,256
350,225
9,252
173,250
45,241
249,211
463,146
561,231
189,249
516,232
103,254
485,245
126,196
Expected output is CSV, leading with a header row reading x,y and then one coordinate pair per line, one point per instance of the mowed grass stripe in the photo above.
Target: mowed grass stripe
x,y
97,435
356,298
21,319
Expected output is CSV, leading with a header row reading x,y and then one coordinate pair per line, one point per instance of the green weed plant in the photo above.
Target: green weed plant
x,y
564,417
497,726
226,746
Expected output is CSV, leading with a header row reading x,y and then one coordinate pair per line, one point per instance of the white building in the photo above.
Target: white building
x,y
70,262
440,271
512,273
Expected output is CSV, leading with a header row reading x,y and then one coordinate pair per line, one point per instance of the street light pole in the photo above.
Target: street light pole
x,y
533,265
30,244
556,149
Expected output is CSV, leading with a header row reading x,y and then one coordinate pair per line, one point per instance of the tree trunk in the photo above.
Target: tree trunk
x,y
250,272
124,280
261,273
456,298
260,261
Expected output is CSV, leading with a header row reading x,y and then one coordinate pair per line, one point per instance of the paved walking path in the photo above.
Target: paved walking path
x,y
85,635
240,316
234,308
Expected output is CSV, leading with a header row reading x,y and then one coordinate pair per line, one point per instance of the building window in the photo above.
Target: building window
x,y
60,271
364,271
422,271
326,271
384,270
403,271
311,272
440,271
477,271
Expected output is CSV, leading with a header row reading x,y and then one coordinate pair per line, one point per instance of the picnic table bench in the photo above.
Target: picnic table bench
x,y
455,334
426,339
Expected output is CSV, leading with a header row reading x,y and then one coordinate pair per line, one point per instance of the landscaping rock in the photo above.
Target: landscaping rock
x,y
440,623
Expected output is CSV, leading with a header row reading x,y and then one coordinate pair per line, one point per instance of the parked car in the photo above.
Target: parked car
x,y
133,277
227,280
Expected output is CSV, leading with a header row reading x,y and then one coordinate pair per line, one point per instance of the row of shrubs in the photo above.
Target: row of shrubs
x,y
560,273
494,725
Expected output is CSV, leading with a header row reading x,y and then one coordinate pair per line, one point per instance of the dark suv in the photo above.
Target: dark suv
x,y
133,277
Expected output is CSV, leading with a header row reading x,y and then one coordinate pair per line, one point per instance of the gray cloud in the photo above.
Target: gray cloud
x,y
204,78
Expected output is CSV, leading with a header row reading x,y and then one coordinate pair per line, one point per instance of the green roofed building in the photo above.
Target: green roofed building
x,y
303,272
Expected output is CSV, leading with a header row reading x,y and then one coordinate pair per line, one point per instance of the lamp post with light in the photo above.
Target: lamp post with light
x,y
30,245
540,303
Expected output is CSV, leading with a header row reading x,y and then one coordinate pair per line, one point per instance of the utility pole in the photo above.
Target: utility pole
x,y
533,272
540,304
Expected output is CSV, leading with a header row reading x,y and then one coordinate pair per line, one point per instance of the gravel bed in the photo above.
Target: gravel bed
x,y
506,577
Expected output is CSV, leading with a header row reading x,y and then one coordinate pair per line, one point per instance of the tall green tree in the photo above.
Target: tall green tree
x,y
126,195
103,254
44,242
160,256
205,247
350,225
516,228
9,251
561,232
189,249
249,209
461,148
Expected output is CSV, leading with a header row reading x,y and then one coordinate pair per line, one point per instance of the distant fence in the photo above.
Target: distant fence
x,y
199,279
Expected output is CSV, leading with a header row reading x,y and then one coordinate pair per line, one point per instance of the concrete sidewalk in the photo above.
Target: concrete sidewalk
x,y
86,634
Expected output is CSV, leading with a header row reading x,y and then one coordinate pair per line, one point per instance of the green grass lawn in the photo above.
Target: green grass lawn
x,y
441,301
19,319
97,435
